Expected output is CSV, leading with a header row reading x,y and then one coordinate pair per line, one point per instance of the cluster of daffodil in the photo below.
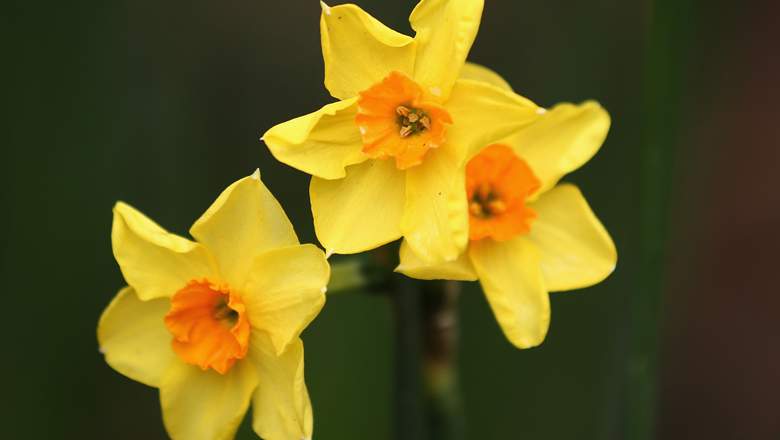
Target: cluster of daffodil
x,y
421,146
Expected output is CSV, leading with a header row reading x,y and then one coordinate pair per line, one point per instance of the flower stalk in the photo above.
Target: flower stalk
x,y
408,409
428,403
443,402
356,274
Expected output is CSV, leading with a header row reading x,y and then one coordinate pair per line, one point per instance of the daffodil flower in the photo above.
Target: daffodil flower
x,y
215,323
528,234
388,158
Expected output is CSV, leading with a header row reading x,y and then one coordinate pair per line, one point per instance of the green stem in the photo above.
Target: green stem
x,y
358,274
426,340
443,403
409,424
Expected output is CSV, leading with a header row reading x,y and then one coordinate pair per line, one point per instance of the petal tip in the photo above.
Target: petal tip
x,y
592,103
256,174
120,206
325,8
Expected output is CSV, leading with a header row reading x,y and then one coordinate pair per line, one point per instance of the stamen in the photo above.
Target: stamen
x,y
498,184
497,206
223,312
475,208
400,104
486,202
411,121
209,326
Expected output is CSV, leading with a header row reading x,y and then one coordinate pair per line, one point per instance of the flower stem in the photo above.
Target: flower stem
x,y
426,348
408,409
358,274
443,403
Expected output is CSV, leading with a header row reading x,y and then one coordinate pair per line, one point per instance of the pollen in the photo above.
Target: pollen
x,y
412,121
397,120
209,326
498,183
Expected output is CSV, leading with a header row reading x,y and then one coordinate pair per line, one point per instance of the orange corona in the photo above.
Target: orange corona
x,y
209,326
497,186
396,120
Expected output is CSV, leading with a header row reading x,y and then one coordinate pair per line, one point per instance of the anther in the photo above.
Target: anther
x,y
412,121
497,207
223,312
402,111
475,208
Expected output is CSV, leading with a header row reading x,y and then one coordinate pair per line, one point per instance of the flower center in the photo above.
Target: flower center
x,y
396,120
486,203
412,121
224,314
498,183
209,326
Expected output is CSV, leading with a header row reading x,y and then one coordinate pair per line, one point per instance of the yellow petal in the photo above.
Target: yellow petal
x,y
481,73
359,50
281,409
411,265
206,405
153,261
435,221
445,31
285,291
484,114
243,222
510,276
562,140
322,143
361,211
133,337
575,249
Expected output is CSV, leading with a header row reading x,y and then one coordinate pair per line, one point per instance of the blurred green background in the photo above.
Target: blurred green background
x,y
161,104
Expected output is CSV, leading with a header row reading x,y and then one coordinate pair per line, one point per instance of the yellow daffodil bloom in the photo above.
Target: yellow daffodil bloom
x,y
215,323
528,234
388,158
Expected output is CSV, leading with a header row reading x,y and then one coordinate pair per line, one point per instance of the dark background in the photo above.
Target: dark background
x,y
161,104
